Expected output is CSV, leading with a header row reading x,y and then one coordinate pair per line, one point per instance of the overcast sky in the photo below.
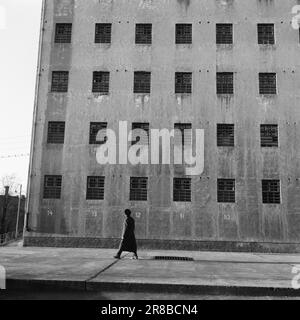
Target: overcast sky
x,y
19,36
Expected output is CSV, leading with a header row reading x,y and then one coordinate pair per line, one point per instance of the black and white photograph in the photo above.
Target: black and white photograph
x,y
149,154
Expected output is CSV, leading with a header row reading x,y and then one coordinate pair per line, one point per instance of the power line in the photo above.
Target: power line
x,y
25,140
16,137
15,156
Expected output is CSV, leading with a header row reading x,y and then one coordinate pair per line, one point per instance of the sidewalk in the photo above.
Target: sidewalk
x,y
96,269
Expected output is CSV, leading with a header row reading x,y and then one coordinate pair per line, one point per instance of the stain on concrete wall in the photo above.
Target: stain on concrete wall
x,y
185,3
266,2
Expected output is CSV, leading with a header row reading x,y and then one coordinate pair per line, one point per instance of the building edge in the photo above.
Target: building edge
x,y
34,118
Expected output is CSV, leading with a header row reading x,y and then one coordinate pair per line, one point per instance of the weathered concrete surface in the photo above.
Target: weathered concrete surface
x,y
54,265
58,241
160,218
95,269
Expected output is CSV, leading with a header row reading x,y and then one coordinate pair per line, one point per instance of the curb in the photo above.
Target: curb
x,y
26,284
64,285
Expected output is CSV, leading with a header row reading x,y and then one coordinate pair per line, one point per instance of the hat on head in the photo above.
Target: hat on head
x,y
127,212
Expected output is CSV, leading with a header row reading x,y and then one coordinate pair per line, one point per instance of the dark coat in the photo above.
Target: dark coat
x,y
128,239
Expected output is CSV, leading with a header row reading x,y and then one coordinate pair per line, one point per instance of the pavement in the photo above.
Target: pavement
x,y
95,270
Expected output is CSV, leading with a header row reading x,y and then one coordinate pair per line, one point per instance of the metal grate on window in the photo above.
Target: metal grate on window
x,y
101,82
143,33
138,189
56,132
95,127
226,190
183,134
224,33
142,82
138,136
182,190
183,82
267,83
63,33
52,187
60,80
103,33
225,135
184,33
95,188
269,135
271,191
224,83
266,33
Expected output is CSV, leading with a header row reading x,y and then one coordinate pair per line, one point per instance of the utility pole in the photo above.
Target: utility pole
x,y
5,204
18,214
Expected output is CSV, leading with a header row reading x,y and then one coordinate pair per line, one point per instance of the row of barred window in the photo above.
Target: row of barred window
x,y
269,133
183,33
183,82
182,189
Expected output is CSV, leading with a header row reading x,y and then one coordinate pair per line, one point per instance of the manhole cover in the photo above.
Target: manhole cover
x,y
173,258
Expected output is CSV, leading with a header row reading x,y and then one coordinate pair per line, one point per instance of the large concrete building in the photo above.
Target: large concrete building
x,y
229,67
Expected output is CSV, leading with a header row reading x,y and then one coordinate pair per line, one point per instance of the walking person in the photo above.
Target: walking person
x,y
128,242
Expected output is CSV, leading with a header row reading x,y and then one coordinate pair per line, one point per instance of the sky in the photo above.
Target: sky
x,y
19,38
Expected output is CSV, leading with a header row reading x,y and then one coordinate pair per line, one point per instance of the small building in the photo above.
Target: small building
x,y
12,212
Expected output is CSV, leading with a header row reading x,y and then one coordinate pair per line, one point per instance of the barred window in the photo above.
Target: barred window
x,y
185,136
267,83
138,188
56,132
52,187
142,82
269,135
271,191
143,33
63,33
182,190
101,82
224,33
226,190
224,83
184,33
103,33
95,127
183,82
266,33
60,80
136,138
95,188
225,135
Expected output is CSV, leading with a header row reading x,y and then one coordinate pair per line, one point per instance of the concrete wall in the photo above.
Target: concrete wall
x,y
160,218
